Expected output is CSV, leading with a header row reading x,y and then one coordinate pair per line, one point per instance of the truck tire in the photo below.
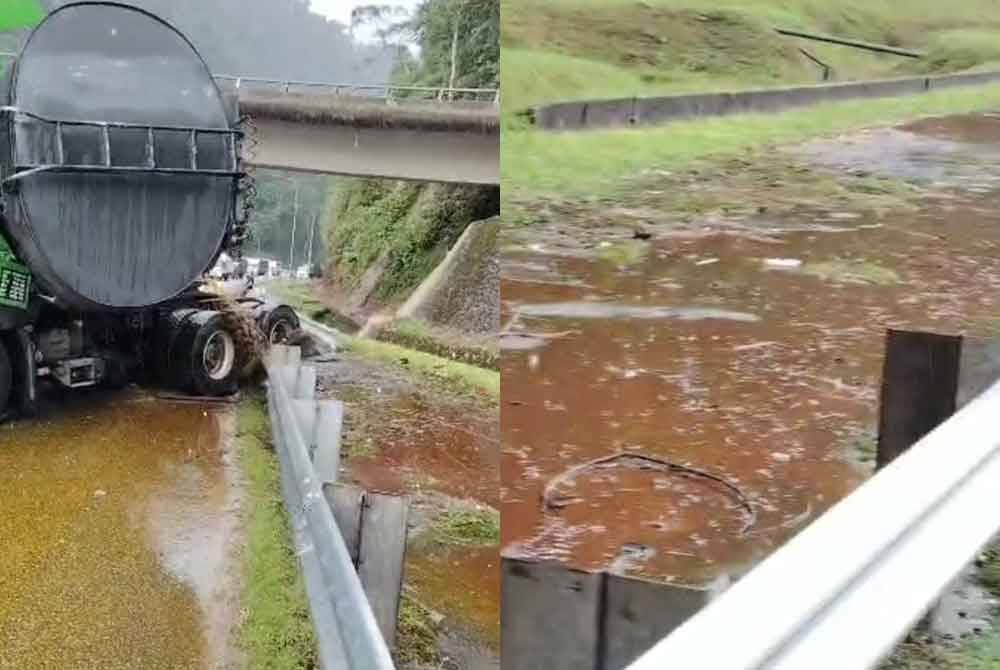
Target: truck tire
x,y
280,323
205,357
164,354
6,379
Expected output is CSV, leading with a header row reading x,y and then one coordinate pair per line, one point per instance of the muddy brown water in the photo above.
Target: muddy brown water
x,y
416,443
703,354
120,516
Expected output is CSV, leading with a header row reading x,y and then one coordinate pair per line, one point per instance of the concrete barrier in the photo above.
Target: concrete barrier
x,y
625,112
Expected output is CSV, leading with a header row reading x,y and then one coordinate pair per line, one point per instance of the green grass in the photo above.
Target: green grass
x,y
596,163
276,632
17,14
574,49
466,377
416,635
463,527
959,49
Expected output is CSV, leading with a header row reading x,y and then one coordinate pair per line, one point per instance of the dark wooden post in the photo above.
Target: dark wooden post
x,y
919,387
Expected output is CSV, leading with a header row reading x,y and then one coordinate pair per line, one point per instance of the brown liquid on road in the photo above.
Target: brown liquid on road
x,y
118,518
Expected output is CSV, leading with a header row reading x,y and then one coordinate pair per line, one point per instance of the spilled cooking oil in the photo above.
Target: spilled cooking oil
x,y
119,516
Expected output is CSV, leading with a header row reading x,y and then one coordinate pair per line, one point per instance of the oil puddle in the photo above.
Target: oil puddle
x,y
763,406
120,517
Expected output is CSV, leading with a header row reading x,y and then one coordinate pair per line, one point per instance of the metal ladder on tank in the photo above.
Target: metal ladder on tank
x,y
57,163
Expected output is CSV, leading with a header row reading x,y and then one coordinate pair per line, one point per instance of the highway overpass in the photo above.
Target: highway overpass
x,y
372,133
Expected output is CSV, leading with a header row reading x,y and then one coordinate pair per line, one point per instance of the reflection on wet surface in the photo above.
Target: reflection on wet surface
x,y
768,404
119,519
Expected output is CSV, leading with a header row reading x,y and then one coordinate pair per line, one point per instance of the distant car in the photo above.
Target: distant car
x,y
302,272
316,271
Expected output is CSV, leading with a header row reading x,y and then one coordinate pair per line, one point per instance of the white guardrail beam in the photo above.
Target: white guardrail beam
x,y
347,633
845,590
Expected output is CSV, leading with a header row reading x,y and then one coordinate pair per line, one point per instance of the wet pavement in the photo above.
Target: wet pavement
x,y
750,353
120,518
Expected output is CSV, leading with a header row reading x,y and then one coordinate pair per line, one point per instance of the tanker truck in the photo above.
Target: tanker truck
x,y
121,182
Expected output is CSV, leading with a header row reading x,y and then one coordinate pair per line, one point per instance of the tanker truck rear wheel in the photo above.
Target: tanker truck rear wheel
x,y
281,322
205,356
6,378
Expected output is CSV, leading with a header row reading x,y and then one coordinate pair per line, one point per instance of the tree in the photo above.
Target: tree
x,y
459,43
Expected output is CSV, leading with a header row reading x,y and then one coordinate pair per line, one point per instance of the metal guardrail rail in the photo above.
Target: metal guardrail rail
x,y
841,593
304,431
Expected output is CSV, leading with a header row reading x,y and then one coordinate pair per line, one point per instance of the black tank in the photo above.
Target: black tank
x,y
115,216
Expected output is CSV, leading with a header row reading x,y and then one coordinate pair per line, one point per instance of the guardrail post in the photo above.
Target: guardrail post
x,y
926,378
555,617
329,425
919,383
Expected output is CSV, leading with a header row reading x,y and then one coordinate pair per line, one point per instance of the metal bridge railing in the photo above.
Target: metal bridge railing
x,y
841,593
348,636
387,92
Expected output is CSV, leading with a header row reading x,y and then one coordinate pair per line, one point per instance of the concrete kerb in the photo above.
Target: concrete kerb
x,y
624,112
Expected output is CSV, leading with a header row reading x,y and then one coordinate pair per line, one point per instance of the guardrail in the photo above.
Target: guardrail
x,y
843,591
306,433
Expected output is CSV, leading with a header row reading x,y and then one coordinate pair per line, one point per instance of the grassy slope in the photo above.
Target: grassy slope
x,y
596,163
627,47
276,631
571,49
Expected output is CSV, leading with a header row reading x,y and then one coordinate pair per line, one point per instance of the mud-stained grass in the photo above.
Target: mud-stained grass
x,y
414,334
416,635
276,632
463,527
976,653
460,376
755,183
852,272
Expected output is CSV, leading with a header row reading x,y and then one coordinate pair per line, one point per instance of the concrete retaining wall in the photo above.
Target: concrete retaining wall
x,y
626,112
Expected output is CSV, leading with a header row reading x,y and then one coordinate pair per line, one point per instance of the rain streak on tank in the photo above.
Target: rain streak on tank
x,y
115,216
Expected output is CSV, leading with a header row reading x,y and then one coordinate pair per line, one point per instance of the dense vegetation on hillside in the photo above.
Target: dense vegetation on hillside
x,y
411,226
